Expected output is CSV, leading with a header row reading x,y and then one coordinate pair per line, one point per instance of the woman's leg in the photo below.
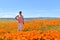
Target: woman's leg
x,y
20,26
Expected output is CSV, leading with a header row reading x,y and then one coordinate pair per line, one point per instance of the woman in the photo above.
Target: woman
x,y
20,20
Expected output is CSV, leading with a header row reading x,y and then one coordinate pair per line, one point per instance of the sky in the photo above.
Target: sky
x,y
29,8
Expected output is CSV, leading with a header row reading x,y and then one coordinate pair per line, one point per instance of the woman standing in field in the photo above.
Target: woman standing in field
x,y
20,20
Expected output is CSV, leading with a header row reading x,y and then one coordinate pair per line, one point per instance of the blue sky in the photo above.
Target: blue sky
x,y
30,8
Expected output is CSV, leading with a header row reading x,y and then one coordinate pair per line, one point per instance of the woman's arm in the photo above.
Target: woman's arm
x,y
16,17
23,19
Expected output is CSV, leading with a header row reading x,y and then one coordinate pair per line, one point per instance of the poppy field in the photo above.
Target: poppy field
x,y
35,29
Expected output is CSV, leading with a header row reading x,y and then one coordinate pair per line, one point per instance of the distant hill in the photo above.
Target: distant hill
x,y
28,18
